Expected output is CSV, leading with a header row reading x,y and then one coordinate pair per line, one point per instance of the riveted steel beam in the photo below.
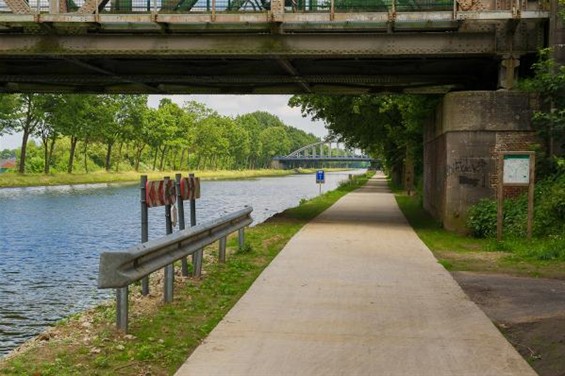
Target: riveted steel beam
x,y
383,45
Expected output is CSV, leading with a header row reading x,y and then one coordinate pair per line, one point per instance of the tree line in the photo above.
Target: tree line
x,y
121,132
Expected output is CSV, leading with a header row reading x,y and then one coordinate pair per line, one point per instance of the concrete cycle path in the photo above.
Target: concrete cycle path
x,y
356,292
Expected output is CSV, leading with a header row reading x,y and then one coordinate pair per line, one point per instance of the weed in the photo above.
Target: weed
x,y
446,264
247,248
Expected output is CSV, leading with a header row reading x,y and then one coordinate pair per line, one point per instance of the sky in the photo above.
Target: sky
x,y
229,105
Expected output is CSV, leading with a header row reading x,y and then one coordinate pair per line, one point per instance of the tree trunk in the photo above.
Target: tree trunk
x,y
175,155
155,158
183,151
22,166
74,141
119,156
50,154
45,155
139,150
109,155
162,158
85,158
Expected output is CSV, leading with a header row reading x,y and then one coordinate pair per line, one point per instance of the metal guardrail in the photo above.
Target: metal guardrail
x,y
122,268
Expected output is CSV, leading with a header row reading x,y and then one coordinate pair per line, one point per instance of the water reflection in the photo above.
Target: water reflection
x,y
51,238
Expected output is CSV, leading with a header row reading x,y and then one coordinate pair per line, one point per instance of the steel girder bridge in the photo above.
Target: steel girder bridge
x,y
268,46
314,154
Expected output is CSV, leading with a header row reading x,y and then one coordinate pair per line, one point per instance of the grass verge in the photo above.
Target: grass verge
x,y
162,336
521,257
28,180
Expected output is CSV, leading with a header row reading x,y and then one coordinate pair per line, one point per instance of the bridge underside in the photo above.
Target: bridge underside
x,y
355,55
119,74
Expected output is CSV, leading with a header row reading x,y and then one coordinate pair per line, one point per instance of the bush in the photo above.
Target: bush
x,y
482,219
550,207
549,212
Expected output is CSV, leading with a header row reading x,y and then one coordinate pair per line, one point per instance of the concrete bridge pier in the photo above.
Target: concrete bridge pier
x,y
461,146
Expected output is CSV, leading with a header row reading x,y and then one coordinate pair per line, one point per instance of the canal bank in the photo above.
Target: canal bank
x,y
161,336
276,231
13,180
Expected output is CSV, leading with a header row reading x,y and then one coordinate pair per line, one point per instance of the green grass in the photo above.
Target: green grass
x,y
162,337
538,257
28,180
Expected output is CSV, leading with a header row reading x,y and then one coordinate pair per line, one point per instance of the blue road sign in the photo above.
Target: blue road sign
x,y
320,177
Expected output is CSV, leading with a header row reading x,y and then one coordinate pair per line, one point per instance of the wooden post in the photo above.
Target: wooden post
x,y
531,187
500,197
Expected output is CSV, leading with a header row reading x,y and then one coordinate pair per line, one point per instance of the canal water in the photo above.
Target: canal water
x,y
51,239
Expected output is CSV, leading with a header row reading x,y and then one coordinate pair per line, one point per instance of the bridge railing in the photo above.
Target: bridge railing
x,y
290,6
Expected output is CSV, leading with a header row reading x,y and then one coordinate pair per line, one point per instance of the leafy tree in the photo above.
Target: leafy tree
x,y
211,142
69,114
549,82
48,131
267,120
100,124
275,142
130,121
251,124
22,113
9,104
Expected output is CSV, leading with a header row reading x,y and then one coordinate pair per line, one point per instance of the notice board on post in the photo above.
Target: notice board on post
x,y
515,169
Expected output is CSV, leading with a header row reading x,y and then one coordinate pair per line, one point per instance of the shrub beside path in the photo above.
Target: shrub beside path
x,y
356,292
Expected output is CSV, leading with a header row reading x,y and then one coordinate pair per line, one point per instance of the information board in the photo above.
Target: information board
x,y
516,169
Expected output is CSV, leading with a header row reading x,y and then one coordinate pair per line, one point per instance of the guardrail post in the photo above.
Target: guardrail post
x,y
122,308
222,255
196,256
182,223
169,269
241,234
144,229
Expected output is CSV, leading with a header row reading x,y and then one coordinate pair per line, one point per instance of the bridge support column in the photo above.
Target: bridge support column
x,y
461,146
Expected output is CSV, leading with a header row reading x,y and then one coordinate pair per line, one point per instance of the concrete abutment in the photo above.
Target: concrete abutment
x,y
461,146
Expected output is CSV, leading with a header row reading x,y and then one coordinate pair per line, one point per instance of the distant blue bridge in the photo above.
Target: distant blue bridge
x,y
316,153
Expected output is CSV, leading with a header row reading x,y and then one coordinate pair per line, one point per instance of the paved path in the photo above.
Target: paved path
x,y
355,292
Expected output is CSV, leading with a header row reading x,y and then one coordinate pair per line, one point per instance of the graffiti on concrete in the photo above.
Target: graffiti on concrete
x,y
470,171
467,166
468,181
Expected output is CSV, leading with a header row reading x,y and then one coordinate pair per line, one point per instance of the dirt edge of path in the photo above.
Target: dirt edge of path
x,y
529,312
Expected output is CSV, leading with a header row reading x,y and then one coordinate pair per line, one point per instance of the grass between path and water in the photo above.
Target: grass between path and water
x,y
521,257
29,180
161,336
